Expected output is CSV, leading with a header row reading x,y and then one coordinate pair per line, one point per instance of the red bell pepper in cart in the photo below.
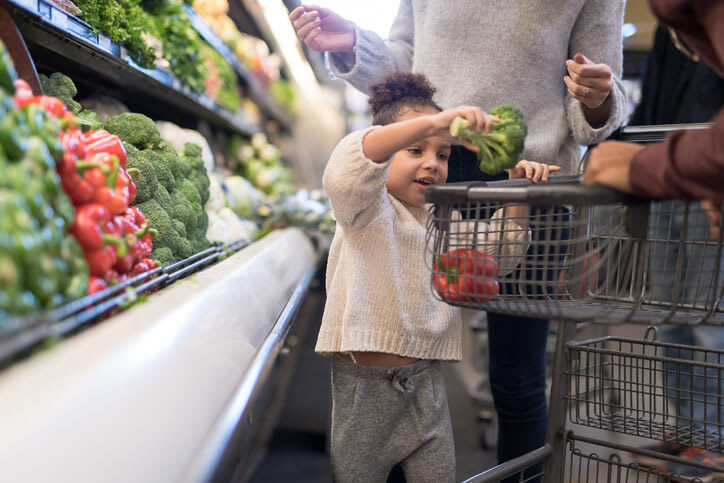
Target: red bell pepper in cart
x,y
466,275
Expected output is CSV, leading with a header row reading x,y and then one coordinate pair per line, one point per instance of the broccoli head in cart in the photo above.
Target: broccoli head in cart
x,y
501,147
134,128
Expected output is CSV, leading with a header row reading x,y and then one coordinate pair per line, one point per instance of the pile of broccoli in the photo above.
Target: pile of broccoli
x,y
501,147
171,188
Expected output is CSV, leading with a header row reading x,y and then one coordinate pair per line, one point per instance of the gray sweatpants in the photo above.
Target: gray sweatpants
x,y
385,416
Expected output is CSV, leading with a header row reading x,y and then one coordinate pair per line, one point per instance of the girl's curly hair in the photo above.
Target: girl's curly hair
x,y
397,92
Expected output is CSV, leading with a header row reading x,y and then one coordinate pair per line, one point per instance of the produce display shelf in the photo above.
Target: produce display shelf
x,y
50,27
256,90
164,390
18,335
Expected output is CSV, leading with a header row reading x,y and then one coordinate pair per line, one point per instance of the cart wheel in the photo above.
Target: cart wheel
x,y
487,425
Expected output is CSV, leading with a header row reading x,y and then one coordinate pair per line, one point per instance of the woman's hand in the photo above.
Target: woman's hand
x,y
609,165
587,82
532,170
323,30
479,121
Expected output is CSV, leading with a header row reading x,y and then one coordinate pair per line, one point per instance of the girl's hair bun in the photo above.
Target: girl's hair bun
x,y
398,90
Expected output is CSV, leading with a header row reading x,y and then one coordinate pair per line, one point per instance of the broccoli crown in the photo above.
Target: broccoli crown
x,y
163,255
62,87
170,157
184,249
184,166
202,183
135,129
162,170
145,180
130,148
159,220
183,211
501,147
179,227
188,189
164,199
192,150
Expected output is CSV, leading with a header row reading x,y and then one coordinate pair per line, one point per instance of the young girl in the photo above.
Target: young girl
x,y
383,327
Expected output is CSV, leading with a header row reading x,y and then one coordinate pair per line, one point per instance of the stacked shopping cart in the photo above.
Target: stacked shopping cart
x,y
594,256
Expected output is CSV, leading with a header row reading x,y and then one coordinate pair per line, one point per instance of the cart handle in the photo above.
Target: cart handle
x,y
559,190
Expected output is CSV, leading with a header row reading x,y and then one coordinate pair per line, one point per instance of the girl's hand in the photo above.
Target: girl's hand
x,y
587,82
533,171
323,30
479,120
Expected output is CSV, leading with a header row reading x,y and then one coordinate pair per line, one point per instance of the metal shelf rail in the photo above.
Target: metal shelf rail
x,y
48,26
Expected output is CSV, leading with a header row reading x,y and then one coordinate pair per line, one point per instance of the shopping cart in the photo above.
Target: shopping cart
x,y
599,256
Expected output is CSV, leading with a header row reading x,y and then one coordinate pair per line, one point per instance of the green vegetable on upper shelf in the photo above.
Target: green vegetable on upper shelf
x,y
501,147
125,22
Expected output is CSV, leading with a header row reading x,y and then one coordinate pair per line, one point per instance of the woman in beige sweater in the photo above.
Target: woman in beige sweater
x,y
386,331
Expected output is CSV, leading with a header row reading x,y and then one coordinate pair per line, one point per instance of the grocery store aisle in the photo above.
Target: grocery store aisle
x,y
297,449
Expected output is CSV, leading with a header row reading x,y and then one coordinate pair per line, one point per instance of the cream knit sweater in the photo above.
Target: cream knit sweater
x,y
378,287
492,52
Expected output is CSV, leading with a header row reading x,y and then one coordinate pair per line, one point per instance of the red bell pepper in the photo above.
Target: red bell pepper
x,y
113,190
55,108
100,238
101,141
96,284
143,266
23,94
466,275
82,179
138,236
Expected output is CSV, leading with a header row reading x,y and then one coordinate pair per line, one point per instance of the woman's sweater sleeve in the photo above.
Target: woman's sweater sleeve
x,y
502,239
597,35
374,58
355,184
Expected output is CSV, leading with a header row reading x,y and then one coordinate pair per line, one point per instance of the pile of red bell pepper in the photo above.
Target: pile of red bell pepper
x,y
466,275
115,237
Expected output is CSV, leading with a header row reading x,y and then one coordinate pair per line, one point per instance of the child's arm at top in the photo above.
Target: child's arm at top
x,y
381,144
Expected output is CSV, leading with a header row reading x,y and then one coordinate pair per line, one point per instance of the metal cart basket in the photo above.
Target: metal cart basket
x,y
592,254
574,253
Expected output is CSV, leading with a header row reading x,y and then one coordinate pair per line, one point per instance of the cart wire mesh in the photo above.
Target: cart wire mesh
x,y
567,251
668,392
589,460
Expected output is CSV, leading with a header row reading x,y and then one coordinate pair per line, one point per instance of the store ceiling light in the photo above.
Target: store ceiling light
x,y
628,30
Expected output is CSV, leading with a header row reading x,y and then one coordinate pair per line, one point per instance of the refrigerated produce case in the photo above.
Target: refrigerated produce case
x,y
168,376
166,390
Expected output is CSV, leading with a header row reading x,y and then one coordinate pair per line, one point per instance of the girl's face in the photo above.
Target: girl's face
x,y
418,166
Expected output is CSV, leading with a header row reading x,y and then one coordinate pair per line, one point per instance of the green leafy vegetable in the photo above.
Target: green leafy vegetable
x,y
501,147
